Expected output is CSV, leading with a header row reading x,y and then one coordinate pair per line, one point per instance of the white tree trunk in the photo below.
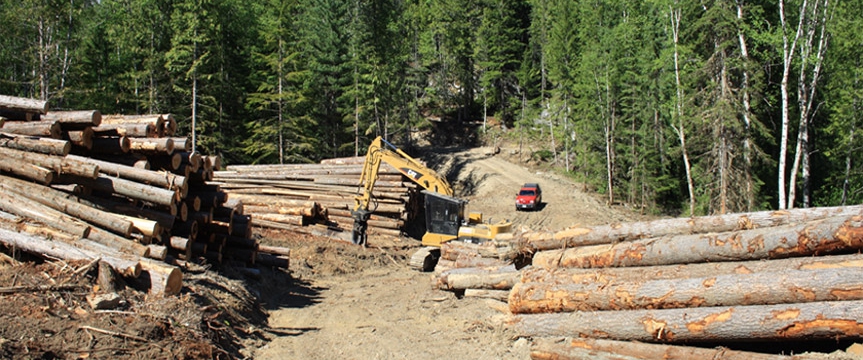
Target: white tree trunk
x,y
680,129
787,57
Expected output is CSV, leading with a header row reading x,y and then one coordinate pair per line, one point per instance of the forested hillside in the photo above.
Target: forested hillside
x,y
675,106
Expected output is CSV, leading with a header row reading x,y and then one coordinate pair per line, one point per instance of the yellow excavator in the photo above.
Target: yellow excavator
x,y
444,213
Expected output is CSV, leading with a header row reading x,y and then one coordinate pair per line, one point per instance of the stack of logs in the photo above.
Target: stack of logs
x,y
295,196
120,187
765,276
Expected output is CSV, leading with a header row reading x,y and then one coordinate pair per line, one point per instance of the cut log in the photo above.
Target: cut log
x,y
152,145
27,170
49,129
80,138
128,188
106,278
154,178
41,145
13,204
165,280
501,278
265,259
138,130
826,236
111,145
169,128
117,243
309,210
165,220
819,320
23,104
612,233
182,144
763,288
75,119
610,275
574,348
487,294
66,203
61,165
61,250
275,250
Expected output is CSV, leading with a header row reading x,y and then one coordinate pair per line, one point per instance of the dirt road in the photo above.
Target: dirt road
x,y
351,303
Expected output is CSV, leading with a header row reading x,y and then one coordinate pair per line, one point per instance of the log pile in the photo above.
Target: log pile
x,y
766,276
296,196
121,188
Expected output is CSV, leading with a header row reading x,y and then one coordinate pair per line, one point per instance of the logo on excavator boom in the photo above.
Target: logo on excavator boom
x,y
413,174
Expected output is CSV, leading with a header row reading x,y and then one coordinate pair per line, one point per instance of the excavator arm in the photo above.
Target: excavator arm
x,y
381,151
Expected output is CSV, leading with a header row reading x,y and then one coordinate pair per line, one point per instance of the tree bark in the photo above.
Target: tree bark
x,y
308,210
27,170
578,348
66,203
165,280
128,188
151,145
60,165
80,138
501,278
76,119
154,178
62,250
612,233
12,204
817,237
23,104
48,129
143,130
606,276
46,146
809,321
763,288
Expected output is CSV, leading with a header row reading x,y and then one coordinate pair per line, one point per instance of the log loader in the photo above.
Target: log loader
x,y
444,213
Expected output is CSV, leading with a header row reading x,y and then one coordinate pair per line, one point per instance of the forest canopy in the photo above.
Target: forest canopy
x,y
673,106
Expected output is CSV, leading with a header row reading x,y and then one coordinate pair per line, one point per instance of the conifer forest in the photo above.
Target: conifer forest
x,y
677,107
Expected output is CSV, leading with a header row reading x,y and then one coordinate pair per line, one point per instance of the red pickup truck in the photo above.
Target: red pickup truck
x,y
529,197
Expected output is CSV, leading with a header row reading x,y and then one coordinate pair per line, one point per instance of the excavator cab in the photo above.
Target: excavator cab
x,y
444,216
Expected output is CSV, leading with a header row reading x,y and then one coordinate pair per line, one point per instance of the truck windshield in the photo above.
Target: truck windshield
x,y
527,193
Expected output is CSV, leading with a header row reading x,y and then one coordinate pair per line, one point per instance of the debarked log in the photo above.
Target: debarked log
x,y
581,348
685,271
763,288
495,278
61,250
809,321
612,233
817,237
500,278
309,209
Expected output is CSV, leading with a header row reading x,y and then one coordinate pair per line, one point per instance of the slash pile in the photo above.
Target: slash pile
x,y
118,188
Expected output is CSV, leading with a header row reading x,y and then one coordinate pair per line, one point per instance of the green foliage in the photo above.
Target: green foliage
x,y
589,87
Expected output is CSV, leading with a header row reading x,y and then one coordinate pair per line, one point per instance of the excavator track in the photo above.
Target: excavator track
x,y
425,259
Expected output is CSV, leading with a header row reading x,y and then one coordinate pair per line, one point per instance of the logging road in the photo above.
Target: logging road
x,y
352,303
